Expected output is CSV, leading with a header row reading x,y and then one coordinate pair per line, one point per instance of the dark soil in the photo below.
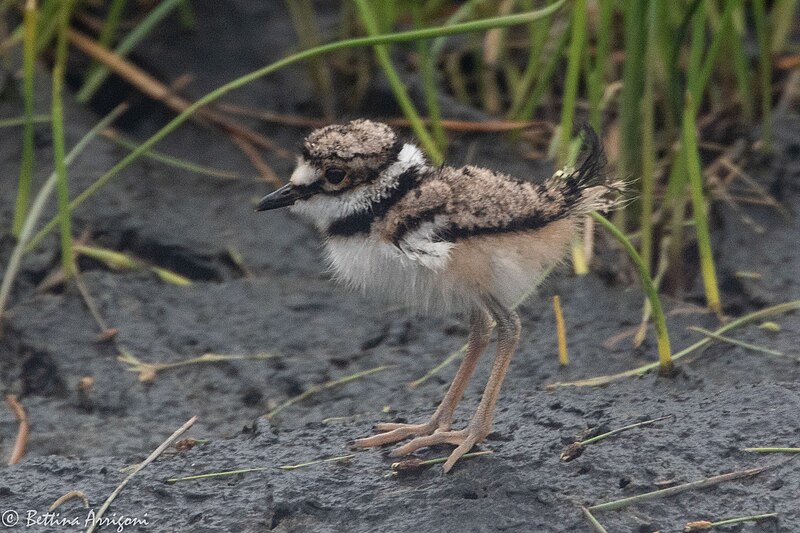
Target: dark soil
x,y
723,399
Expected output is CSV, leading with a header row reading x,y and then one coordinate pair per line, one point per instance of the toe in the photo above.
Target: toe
x,y
444,437
391,426
456,454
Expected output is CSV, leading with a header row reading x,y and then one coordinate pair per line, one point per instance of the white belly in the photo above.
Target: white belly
x,y
381,270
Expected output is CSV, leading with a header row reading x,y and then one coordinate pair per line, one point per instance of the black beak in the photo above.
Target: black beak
x,y
286,195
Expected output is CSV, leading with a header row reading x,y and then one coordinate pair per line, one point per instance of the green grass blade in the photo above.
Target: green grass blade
x,y
64,210
597,75
710,60
170,160
757,315
429,85
633,74
304,20
428,33
741,64
577,43
783,17
21,121
543,83
691,152
648,140
48,24
28,82
764,71
128,43
106,37
372,23
662,335
38,204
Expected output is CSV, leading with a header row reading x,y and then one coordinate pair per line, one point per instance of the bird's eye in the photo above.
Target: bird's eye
x,y
335,176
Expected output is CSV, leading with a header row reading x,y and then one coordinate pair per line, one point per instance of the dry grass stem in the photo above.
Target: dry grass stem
x,y
338,459
71,495
21,442
693,485
325,386
148,371
150,458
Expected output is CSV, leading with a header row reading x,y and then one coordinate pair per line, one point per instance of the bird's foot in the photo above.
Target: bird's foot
x,y
463,439
395,432
428,434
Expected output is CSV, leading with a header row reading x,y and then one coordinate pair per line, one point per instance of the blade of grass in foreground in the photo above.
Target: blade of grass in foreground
x,y
106,37
370,21
662,335
691,152
64,210
38,205
413,35
28,81
764,71
128,43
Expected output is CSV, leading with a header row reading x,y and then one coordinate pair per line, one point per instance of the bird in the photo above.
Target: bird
x,y
438,239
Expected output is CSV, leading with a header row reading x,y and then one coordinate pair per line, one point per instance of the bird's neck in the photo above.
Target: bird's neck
x,y
325,209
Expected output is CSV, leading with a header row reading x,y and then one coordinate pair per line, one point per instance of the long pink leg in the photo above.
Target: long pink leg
x,y
508,333
480,332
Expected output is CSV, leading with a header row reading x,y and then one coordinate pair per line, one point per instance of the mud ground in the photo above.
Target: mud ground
x,y
725,398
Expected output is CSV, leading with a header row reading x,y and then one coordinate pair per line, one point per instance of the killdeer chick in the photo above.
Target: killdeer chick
x,y
439,239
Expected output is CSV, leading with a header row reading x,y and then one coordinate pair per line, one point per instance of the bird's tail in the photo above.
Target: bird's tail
x,y
587,187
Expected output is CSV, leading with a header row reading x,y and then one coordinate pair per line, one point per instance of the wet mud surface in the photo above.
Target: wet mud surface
x,y
724,398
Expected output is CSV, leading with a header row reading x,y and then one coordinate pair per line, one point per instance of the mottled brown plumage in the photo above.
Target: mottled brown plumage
x,y
439,239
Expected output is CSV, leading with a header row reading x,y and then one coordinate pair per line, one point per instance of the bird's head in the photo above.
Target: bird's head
x,y
344,161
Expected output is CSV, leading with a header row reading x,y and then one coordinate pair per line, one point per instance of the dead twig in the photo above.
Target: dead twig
x,y
413,463
598,527
147,371
693,485
338,459
325,386
160,92
22,433
71,495
703,525
575,450
150,458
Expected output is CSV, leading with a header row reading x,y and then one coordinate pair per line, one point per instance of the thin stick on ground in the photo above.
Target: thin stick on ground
x,y
71,495
735,342
325,386
21,441
598,527
693,485
773,450
340,458
703,525
413,463
150,458
148,371
90,302
563,355
219,474
574,450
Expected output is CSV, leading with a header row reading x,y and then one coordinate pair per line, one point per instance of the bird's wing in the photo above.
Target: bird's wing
x,y
414,223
